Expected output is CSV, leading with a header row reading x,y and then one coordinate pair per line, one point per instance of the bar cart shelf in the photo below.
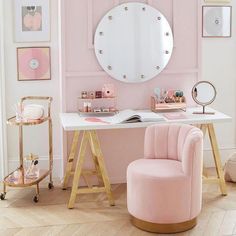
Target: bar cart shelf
x,y
18,177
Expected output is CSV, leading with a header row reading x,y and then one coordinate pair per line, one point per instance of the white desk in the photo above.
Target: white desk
x,y
74,122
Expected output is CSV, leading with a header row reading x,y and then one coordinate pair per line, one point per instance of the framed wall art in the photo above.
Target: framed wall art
x,y
216,21
32,20
33,63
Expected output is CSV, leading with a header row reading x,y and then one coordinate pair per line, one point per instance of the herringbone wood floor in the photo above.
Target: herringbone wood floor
x,y
93,216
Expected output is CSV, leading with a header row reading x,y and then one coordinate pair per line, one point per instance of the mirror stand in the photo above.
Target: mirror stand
x,y
203,112
204,93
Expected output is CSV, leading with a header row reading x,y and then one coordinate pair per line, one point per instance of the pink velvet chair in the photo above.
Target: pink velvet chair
x,y
164,189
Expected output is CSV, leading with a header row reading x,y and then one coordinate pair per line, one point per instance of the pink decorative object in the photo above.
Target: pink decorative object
x,y
95,119
108,90
33,22
164,188
175,115
33,63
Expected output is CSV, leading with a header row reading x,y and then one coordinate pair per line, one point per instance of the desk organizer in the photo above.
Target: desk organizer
x,y
97,106
20,177
165,106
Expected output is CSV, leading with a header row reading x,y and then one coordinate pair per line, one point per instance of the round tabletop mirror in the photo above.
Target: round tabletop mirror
x,y
204,93
133,42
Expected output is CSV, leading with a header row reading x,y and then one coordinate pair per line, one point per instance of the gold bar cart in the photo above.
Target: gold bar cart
x,y
21,181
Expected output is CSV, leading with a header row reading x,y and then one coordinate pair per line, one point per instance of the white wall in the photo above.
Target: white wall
x,y
219,67
35,137
3,153
219,57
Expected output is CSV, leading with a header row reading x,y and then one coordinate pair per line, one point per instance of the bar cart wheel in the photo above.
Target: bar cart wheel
x,y
36,199
50,185
2,196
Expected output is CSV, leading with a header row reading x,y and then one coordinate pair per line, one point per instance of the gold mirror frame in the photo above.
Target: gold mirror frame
x,y
201,103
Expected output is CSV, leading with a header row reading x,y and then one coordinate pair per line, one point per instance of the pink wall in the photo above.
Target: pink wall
x,y
82,71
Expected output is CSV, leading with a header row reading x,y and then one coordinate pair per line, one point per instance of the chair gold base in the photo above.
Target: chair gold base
x,y
163,228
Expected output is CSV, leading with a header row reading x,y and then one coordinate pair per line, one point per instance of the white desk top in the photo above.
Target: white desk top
x,y
73,121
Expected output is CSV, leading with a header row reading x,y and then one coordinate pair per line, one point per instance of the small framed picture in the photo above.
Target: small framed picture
x,y
33,63
216,21
32,20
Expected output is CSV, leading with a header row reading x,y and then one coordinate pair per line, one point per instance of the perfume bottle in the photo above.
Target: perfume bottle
x,y
33,170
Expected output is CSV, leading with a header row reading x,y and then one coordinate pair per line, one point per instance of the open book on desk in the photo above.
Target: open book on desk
x,y
128,116
132,116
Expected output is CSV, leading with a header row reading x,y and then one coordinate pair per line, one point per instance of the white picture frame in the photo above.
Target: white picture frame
x,y
32,20
216,21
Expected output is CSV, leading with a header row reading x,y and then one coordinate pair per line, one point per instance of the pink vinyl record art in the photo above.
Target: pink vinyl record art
x,y
33,63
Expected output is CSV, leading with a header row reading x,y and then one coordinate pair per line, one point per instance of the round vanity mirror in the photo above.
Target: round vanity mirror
x,y
204,93
133,42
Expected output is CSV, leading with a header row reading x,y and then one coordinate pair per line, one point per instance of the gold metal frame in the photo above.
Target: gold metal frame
x,y
201,103
163,228
88,137
21,170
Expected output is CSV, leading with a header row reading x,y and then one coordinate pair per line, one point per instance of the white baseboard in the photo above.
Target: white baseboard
x,y
13,163
225,153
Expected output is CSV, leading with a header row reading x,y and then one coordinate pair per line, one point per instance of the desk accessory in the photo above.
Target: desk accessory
x,y
168,100
20,177
99,102
204,93
175,115
108,91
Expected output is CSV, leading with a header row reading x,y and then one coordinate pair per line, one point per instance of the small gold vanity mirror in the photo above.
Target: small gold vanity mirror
x,y
204,93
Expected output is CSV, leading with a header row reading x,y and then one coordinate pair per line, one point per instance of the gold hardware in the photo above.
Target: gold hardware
x,y
31,157
163,228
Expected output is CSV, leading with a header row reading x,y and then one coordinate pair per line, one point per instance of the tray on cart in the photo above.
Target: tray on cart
x,y
15,179
13,121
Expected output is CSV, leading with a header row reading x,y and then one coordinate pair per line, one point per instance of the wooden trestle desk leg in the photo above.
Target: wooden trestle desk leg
x,y
78,169
97,153
71,159
216,155
100,169
217,159
95,160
